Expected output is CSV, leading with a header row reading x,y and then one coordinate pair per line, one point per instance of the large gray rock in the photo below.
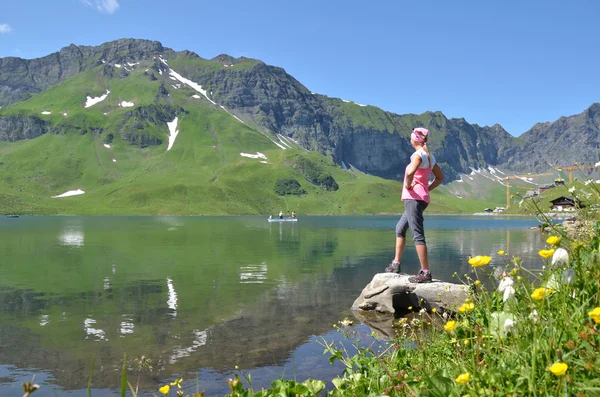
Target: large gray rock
x,y
16,128
390,293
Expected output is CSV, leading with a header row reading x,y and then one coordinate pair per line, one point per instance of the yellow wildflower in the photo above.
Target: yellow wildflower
x,y
595,314
466,307
477,282
546,253
165,389
463,378
553,240
177,383
501,252
434,310
540,293
558,369
450,325
479,260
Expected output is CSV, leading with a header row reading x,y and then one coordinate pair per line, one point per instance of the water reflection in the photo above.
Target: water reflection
x,y
92,332
72,234
127,325
199,339
172,301
190,301
44,320
253,274
73,238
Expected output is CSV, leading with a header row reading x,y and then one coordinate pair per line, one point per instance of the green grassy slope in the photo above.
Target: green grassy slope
x,y
203,173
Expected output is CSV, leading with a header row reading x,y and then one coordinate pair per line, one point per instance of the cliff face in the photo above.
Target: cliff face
x,y
274,100
17,128
366,137
568,140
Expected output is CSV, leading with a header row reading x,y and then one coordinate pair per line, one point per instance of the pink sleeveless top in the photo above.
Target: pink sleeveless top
x,y
420,190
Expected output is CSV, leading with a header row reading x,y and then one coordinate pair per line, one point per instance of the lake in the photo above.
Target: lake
x,y
200,295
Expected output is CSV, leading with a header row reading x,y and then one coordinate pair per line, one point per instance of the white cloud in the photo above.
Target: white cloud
x,y
5,28
108,6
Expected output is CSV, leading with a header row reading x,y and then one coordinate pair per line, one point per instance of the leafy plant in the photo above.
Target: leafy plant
x,y
285,187
315,174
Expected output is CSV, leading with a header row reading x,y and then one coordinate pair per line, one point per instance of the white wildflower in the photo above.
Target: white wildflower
x,y
560,257
572,189
508,293
506,282
506,286
509,324
534,316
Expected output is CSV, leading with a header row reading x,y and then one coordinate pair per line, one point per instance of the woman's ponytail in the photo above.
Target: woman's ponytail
x,y
426,149
428,154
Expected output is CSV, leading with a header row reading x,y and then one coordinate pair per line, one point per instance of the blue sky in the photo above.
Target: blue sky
x,y
509,62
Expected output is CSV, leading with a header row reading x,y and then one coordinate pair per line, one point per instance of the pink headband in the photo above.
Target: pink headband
x,y
419,134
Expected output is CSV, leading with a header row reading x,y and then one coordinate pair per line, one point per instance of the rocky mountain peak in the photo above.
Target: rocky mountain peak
x,y
593,111
225,59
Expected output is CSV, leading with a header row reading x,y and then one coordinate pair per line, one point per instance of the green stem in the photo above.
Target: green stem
x,y
533,363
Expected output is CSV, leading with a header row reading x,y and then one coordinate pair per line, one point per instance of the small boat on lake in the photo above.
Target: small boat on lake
x,y
283,219
12,216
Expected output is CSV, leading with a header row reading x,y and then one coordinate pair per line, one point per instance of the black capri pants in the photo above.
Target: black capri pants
x,y
412,218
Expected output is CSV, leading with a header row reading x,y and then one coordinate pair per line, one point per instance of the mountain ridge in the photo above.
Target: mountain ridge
x,y
161,84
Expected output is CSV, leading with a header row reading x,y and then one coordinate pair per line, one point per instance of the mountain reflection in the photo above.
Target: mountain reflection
x,y
202,294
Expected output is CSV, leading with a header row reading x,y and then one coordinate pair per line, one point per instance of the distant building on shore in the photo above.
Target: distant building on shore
x,y
565,203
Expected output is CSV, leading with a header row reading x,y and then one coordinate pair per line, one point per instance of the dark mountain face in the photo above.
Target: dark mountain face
x,y
364,137
568,140
19,78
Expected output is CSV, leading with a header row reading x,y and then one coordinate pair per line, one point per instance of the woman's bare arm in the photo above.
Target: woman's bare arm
x,y
439,177
411,170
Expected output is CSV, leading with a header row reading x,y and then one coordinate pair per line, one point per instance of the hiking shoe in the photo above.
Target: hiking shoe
x,y
393,268
424,276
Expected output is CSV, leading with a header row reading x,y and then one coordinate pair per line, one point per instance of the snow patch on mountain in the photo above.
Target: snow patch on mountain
x,y
93,101
70,193
283,140
173,132
231,114
258,155
190,83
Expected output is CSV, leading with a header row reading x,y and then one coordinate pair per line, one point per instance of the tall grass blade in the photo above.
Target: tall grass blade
x,y
124,376
88,392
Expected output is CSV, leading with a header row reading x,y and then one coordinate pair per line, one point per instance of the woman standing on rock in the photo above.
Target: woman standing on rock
x,y
415,195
